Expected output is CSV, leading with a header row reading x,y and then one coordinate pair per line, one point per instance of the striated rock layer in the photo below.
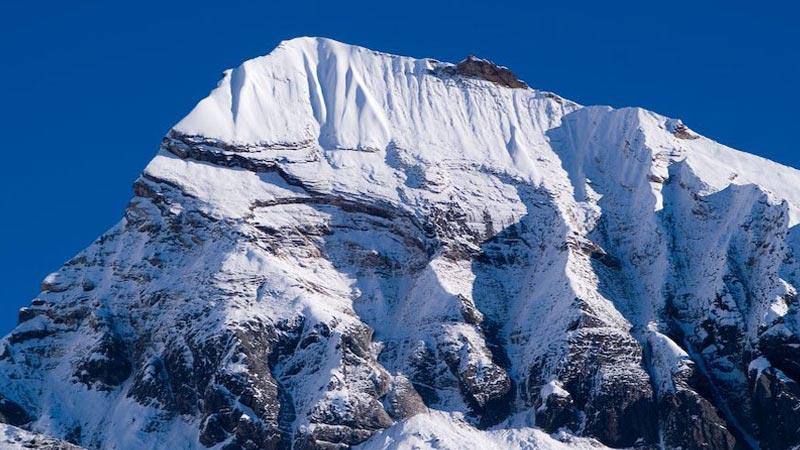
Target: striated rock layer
x,y
340,247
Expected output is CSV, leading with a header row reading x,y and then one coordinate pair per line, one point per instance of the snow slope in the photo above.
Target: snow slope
x,y
13,438
441,431
340,247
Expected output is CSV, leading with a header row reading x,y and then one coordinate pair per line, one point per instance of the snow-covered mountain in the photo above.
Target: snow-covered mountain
x,y
340,247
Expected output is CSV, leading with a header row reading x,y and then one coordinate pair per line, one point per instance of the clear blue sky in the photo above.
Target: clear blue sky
x,y
89,88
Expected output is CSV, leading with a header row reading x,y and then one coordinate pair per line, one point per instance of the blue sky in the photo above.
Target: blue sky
x,y
89,88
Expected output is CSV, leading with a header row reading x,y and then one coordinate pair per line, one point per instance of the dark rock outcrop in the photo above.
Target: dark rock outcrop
x,y
12,413
776,399
691,422
474,67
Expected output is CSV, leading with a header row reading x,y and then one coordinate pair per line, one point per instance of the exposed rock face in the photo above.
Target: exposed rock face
x,y
776,407
474,67
692,420
12,413
340,247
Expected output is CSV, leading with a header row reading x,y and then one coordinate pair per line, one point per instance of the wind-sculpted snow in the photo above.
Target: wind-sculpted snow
x,y
340,247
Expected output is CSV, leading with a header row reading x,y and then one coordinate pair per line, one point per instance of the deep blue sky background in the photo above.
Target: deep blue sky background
x,y
88,89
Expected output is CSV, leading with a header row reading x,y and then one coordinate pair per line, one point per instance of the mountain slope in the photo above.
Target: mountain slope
x,y
341,247
13,438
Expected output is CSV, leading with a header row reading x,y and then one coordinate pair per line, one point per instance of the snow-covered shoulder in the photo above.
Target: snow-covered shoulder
x,y
718,166
436,429
721,166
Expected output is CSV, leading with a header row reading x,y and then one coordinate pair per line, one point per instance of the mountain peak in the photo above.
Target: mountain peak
x,y
317,87
339,247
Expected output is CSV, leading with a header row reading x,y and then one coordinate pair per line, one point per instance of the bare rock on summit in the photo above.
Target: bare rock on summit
x,y
474,67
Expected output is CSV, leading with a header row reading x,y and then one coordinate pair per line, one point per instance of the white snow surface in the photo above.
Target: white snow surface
x,y
438,430
346,97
